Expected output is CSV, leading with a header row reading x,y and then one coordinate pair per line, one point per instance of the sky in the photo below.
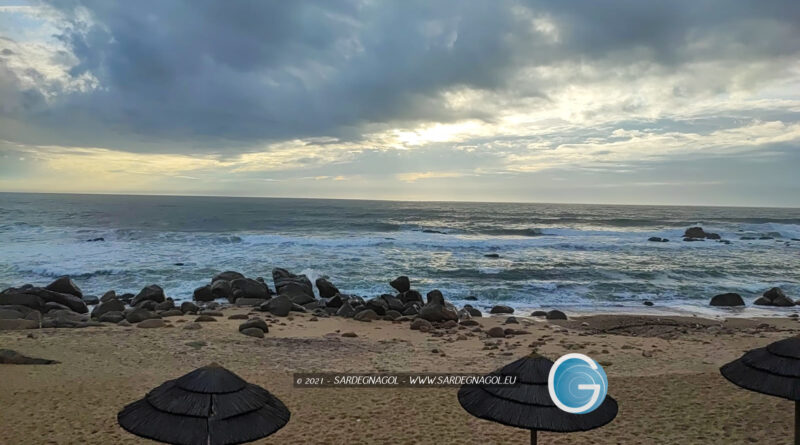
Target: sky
x,y
619,101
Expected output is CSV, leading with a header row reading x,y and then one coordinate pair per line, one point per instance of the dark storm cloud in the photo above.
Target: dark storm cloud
x,y
197,75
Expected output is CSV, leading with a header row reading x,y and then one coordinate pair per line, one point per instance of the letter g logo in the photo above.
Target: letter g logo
x,y
577,384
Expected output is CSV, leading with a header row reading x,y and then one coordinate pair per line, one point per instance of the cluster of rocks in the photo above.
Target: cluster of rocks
x,y
772,297
693,234
59,304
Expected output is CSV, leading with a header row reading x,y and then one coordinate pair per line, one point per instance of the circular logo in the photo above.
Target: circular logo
x,y
577,384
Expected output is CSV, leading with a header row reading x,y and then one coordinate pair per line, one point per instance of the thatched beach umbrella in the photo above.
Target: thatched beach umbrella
x,y
772,370
209,406
528,404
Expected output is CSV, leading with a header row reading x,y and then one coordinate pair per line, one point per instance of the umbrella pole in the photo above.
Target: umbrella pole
x,y
533,435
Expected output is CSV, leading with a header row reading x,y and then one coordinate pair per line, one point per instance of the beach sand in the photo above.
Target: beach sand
x,y
663,371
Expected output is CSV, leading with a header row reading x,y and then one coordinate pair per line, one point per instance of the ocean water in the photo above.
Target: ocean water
x,y
579,257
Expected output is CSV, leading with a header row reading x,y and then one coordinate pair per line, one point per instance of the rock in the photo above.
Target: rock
x,y
249,289
349,335
221,289
556,315
228,275
252,332
124,323
192,326
110,295
111,317
471,298
17,324
419,323
151,323
697,233
511,320
296,287
204,319
492,255
436,309
657,239
148,305
346,310
647,303
12,312
10,357
64,285
412,309
496,332
392,315
378,305
253,302
238,317
538,314
152,292
729,299
774,297
469,322
71,301
401,284
411,296
472,311
187,307
203,293
393,303
279,306
65,319
165,305
336,301
366,315
500,309
171,313
90,299
20,299
138,315
110,305
255,323
326,288
53,306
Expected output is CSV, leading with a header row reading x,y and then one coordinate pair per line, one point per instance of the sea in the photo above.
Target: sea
x,y
579,258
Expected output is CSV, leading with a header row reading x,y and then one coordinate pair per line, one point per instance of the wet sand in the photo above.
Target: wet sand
x,y
663,371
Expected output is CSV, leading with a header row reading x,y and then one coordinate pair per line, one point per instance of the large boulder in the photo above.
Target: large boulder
x,y
228,275
774,297
326,288
221,289
74,303
256,323
203,293
436,309
346,310
366,315
111,317
411,296
90,299
17,324
65,285
378,305
187,307
501,309
248,288
729,299
11,312
279,306
64,319
556,315
393,303
110,305
137,315
152,292
401,283
296,287
20,299
694,233
473,312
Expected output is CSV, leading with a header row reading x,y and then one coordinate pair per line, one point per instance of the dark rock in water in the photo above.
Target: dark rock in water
x,y
17,324
204,319
171,313
774,297
296,287
420,324
279,306
326,288
111,317
538,314
556,315
10,357
138,315
221,289
492,255
401,284
411,296
149,305
693,239
500,309
392,314
177,264
19,299
71,301
346,310
94,240
53,306
165,305
697,233
657,239
747,238
366,315
647,303
242,302
189,307
729,299
152,292
110,305
256,323
436,309
496,332
433,231
151,323
228,275
378,305
473,311
90,299
765,237
65,285
248,288
203,293
471,298
252,332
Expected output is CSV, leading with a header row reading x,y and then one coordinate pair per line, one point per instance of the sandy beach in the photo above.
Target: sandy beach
x,y
663,371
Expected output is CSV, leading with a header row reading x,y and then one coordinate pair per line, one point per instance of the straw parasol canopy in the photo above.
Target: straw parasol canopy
x,y
209,406
528,404
773,370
